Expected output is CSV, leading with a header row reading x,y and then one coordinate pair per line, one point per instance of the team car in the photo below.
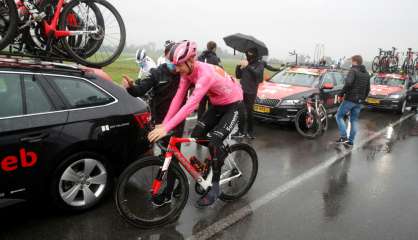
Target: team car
x,y
389,91
280,98
65,132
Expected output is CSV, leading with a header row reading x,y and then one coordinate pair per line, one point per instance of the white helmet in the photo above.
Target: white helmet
x,y
140,55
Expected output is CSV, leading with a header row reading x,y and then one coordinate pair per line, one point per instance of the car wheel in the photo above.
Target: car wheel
x,y
80,181
402,109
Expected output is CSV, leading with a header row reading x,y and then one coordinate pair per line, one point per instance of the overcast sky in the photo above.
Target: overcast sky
x,y
345,27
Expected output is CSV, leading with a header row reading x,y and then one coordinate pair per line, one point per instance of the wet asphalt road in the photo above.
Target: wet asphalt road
x,y
371,193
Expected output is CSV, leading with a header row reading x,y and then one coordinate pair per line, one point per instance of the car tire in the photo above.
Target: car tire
x,y
402,109
80,182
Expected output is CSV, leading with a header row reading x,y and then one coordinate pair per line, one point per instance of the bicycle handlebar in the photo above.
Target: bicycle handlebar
x,y
160,143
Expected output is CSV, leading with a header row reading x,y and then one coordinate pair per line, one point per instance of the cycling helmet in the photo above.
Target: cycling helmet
x,y
182,51
140,55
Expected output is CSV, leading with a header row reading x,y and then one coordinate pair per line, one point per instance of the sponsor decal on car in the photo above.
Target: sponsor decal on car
x,y
25,159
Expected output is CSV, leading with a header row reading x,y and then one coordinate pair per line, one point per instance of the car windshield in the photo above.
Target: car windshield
x,y
294,78
388,81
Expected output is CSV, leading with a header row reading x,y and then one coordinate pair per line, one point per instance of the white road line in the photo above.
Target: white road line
x,y
241,213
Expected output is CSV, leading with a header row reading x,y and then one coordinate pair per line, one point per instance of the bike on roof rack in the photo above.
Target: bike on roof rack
x,y
89,32
386,61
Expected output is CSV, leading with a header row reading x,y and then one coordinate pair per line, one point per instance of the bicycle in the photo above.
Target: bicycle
x,y
393,60
90,32
408,65
146,178
386,61
312,120
378,60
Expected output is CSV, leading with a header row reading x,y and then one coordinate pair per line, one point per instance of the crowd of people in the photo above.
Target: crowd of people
x,y
220,100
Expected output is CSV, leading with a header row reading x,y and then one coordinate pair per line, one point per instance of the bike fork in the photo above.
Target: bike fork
x,y
162,172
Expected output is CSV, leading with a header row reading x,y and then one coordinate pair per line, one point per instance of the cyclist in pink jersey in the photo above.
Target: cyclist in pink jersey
x,y
225,95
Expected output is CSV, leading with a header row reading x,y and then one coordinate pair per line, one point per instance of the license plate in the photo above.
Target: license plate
x,y
373,101
261,109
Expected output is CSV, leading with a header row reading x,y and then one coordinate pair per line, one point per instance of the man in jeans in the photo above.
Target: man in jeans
x,y
355,91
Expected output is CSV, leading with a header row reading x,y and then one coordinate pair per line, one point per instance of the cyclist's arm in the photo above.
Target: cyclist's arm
x,y
144,85
177,100
201,88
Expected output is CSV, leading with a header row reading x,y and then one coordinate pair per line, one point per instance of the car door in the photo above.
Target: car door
x,y
30,127
340,82
329,96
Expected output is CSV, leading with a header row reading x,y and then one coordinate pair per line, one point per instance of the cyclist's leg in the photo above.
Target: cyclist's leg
x,y
216,137
207,122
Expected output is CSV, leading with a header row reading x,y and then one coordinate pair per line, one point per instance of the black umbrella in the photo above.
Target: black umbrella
x,y
242,43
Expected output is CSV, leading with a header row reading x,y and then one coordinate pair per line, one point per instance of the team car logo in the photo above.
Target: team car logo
x,y
25,159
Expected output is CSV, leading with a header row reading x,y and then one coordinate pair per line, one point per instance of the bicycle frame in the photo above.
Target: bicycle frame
x,y
172,150
50,29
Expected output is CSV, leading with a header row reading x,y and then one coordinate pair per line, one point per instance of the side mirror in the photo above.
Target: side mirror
x,y
328,86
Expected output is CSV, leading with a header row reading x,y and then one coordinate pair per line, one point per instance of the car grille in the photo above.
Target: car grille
x,y
267,102
378,96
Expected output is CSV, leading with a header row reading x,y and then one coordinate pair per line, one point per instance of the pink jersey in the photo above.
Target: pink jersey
x,y
208,79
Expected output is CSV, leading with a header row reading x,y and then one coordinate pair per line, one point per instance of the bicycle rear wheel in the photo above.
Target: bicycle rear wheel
x,y
308,124
133,194
106,44
238,172
8,22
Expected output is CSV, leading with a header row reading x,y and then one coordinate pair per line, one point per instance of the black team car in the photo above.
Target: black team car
x,y
65,132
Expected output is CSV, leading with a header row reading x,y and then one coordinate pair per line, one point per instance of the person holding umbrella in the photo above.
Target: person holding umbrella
x,y
251,72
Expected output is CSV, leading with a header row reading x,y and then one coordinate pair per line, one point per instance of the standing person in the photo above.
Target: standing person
x,y
145,63
355,91
217,123
251,73
163,59
207,56
163,81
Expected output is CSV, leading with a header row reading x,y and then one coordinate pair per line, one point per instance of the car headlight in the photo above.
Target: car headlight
x,y
291,102
394,96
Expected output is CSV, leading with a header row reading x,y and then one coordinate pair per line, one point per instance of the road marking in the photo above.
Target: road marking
x,y
241,213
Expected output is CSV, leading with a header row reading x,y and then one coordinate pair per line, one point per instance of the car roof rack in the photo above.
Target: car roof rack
x,y
35,62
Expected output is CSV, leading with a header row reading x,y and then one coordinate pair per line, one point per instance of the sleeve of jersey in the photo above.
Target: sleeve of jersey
x,y
177,100
201,88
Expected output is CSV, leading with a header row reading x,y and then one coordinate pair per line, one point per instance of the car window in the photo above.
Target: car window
x,y
340,79
80,93
36,99
10,95
293,78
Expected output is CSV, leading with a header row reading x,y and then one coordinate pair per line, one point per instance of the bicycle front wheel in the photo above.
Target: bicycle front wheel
x,y
308,124
133,197
104,34
376,64
238,172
